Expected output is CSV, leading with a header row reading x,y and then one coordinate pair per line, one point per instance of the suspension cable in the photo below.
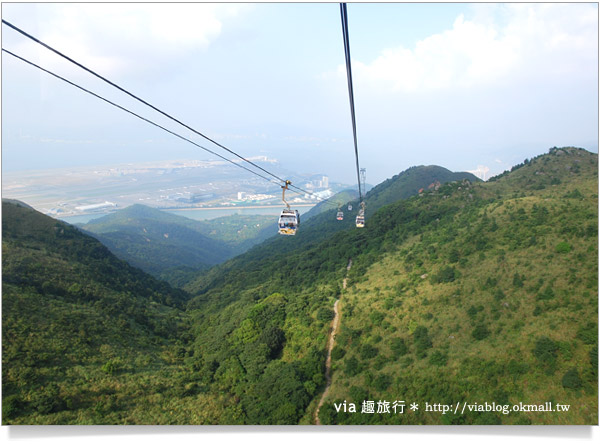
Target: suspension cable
x,y
29,36
344,16
134,114
299,190
156,124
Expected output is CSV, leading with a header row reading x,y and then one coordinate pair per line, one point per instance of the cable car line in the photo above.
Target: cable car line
x,y
344,16
299,190
360,218
290,217
29,36
151,122
134,114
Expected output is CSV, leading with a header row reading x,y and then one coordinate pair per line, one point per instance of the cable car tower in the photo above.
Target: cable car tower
x,y
363,179
360,218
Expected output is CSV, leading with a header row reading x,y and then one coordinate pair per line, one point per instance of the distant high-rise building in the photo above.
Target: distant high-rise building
x,y
241,195
325,182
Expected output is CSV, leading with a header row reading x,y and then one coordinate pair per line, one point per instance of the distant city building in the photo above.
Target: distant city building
x,y
321,183
241,195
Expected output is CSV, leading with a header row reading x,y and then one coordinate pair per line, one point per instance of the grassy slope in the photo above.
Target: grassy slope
x,y
524,270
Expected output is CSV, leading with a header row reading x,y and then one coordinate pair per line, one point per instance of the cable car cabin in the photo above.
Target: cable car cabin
x,y
349,207
340,215
289,220
360,221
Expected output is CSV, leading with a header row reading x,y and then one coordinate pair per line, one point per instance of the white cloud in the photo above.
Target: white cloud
x,y
115,37
543,39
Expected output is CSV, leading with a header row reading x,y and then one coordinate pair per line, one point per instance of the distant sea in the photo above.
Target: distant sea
x,y
195,213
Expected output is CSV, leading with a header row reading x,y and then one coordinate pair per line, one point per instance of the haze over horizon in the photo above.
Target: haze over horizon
x,y
463,86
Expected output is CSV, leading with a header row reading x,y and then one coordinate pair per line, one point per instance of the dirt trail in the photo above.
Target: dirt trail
x,y
330,343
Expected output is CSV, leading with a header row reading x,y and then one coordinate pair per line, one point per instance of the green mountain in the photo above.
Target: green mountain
x,y
173,247
467,292
83,333
401,186
410,182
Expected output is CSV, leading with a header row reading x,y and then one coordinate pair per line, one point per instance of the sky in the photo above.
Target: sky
x,y
463,86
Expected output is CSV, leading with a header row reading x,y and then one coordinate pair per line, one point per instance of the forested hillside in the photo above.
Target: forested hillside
x,y
83,333
465,292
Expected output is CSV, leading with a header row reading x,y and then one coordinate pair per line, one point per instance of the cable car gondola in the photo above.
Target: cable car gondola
x,y
288,222
289,219
340,215
349,207
360,219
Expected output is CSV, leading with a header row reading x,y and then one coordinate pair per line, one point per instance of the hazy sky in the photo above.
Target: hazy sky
x,y
457,85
